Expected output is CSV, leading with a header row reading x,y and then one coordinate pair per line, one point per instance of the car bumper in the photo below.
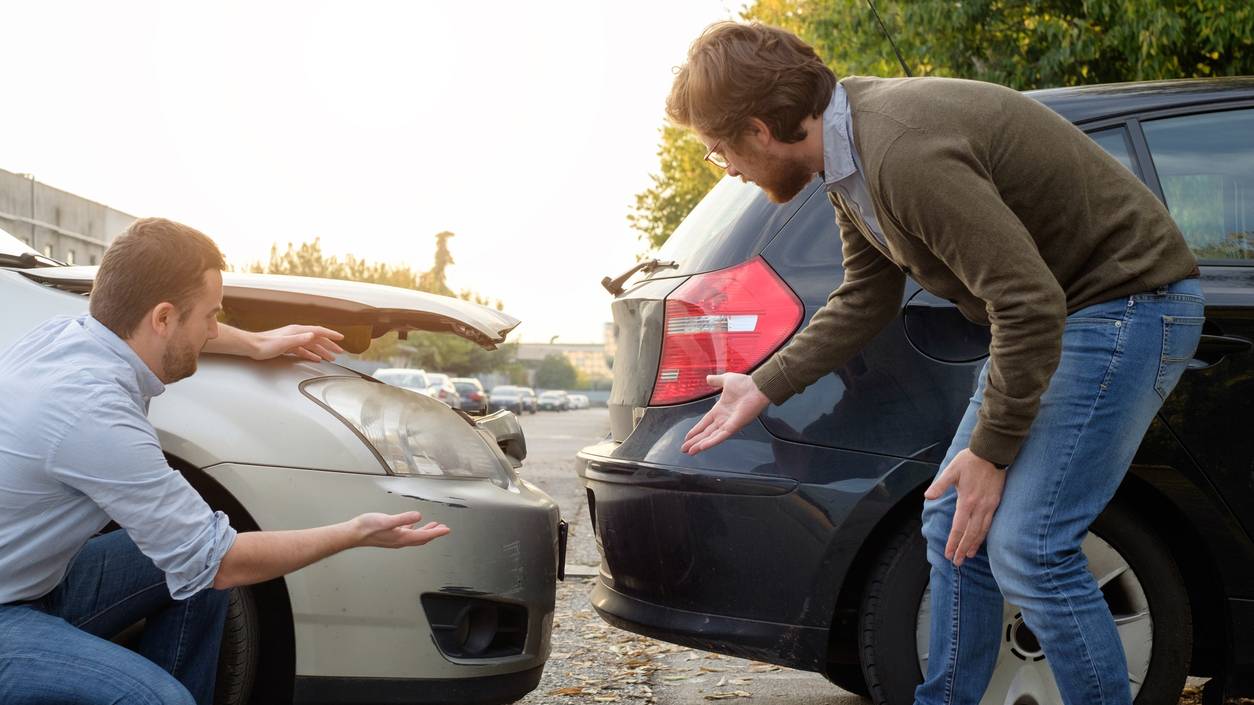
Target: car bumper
x,y
365,614
741,550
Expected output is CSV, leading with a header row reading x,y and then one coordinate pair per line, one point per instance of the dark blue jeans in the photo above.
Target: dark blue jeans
x,y
56,649
1120,360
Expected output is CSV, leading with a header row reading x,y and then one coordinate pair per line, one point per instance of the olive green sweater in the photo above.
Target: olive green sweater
x,y
993,201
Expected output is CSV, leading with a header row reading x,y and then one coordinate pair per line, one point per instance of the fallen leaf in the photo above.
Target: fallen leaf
x,y
567,691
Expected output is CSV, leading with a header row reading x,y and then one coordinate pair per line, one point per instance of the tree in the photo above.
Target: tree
x,y
1021,44
684,179
556,372
430,350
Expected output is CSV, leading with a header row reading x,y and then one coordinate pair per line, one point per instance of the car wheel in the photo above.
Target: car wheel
x,y
1140,581
241,641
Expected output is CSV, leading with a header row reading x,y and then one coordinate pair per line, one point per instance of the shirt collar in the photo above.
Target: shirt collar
x,y
838,161
149,384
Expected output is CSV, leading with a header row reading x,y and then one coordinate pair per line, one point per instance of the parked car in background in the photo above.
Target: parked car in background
x,y
797,540
415,380
553,400
578,401
472,397
507,396
530,402
441,388
287,444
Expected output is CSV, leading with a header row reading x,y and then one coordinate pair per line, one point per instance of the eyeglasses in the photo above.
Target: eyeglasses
x,y
716,157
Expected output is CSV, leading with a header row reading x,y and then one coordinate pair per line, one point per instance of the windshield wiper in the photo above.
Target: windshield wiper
x,y
26,260
615,285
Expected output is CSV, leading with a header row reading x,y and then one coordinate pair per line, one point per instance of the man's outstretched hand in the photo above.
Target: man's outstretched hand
x,y
313,343
740,403
396,530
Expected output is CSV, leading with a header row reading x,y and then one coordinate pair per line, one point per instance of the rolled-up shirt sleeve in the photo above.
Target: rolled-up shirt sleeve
x,y
112,455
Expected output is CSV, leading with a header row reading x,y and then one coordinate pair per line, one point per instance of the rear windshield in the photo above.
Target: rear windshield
x,y
731,224
466,386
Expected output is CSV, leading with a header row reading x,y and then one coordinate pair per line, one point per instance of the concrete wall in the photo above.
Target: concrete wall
x,y
59,224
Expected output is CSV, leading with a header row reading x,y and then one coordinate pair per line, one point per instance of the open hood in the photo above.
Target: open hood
x,y
360,311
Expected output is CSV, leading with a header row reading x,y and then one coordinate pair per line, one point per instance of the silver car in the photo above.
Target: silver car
x,y
287,444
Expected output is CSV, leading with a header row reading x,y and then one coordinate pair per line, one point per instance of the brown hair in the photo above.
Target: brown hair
x,y
740,71
154,261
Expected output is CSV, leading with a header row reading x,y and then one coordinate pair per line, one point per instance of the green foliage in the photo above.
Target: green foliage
x,y
556,372
1023,44
1026,44
442,352
684,178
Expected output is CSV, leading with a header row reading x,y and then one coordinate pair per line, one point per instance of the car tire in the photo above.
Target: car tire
x,y
888,622
241,643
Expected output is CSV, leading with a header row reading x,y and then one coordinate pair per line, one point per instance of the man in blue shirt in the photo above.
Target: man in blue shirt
x,y
77,451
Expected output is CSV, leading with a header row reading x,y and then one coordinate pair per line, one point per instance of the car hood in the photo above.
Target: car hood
x,y
359,310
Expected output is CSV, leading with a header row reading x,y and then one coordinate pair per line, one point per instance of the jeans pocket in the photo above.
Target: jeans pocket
x,y
1180,338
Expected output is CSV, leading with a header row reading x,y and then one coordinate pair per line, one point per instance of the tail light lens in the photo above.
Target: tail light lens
x,y
476,396
725,321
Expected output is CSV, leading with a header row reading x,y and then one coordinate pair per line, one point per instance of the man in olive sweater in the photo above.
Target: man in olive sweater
x,y
988,199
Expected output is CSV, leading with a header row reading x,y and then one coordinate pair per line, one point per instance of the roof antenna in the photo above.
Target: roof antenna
x,y
890,38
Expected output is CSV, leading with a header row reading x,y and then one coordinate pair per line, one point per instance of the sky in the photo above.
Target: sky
x,y
524,128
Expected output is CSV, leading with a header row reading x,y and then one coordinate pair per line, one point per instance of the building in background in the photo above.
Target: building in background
x,y
58,224
591,360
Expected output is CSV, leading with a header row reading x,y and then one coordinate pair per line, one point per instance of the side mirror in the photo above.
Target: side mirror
x,y
504,427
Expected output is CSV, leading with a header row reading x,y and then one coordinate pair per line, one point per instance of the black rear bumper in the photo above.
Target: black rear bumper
x,y
784,644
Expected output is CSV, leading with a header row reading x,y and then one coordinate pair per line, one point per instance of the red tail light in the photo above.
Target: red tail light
x,y
476,396
725,321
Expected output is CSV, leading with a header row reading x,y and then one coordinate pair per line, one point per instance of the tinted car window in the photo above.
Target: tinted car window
x,y
466,386
1115,141
1206,166
730,225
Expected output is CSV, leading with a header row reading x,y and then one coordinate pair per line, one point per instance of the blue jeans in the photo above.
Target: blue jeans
x,y
1120,360
56,649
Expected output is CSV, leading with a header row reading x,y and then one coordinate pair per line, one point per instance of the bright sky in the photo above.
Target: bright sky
x,y
525,128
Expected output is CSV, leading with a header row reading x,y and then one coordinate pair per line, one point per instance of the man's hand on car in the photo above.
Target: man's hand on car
x,y
314,343
396,530
979,485
740,403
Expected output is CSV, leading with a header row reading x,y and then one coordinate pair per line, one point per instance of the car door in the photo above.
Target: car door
x,y
1202,164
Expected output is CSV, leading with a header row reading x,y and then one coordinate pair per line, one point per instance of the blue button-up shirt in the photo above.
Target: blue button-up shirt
x,y
842,169
76,450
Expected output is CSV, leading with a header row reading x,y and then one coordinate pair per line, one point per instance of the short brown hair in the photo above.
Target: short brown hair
x,y
154,261
740,71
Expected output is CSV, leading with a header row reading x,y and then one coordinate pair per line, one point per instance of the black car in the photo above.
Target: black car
x,y
470,392
797,540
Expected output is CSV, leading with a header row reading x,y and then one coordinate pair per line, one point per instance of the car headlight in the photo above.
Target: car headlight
x,y
411,434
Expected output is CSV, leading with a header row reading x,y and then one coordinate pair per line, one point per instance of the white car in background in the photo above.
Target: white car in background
x,y
413,379
578,401
288,444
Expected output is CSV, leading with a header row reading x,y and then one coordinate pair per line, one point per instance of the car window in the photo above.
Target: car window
x,y
466,386
732,223
1115,141
1205,163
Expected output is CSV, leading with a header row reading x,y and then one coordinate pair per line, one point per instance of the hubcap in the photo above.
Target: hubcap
x,y
1021,675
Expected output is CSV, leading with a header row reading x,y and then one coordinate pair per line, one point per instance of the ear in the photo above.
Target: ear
x,y
162,317
758,132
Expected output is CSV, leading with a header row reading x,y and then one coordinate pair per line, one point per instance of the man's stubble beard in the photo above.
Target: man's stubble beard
x,y
179,362
783,179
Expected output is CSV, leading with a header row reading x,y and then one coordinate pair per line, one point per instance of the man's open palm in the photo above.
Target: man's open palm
x,y
740,403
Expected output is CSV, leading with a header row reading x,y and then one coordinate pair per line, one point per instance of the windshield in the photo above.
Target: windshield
x,y
466,386
731,224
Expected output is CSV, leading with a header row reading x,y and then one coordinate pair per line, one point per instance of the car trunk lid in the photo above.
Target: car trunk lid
x,y
359,310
